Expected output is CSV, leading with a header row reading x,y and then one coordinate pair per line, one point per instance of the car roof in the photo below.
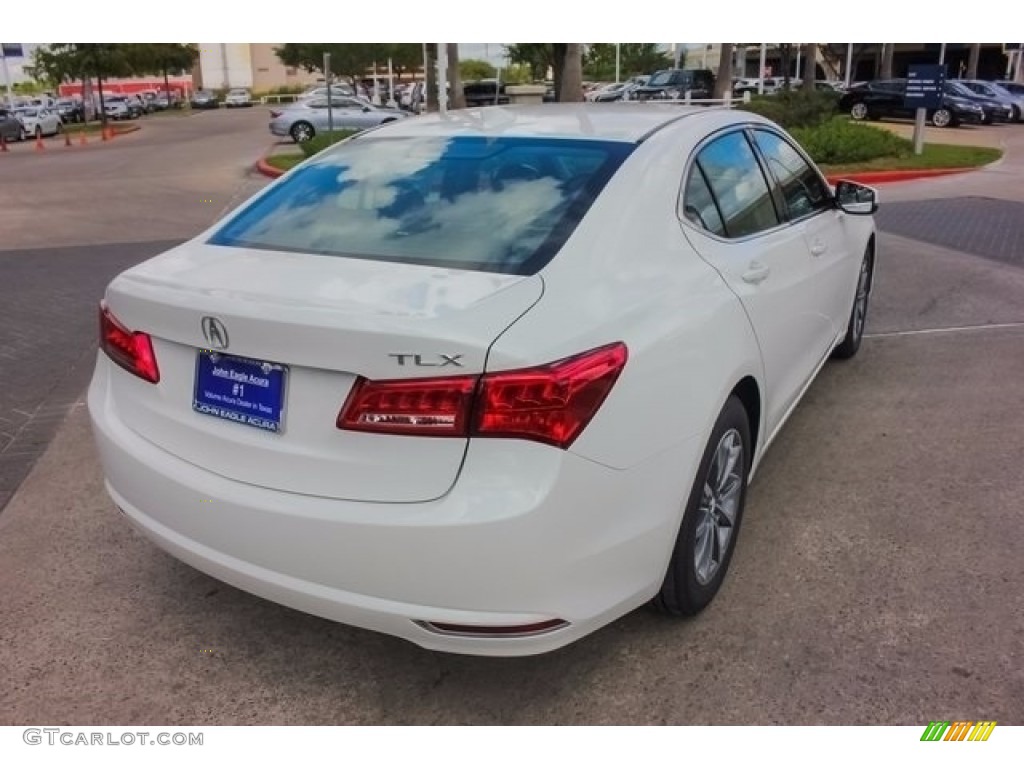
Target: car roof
x,y
629,122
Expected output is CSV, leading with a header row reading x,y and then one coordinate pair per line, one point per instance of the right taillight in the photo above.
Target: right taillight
x,y
132,350
551,403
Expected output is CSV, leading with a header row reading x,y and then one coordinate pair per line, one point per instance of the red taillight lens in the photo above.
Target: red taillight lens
x,y
414,407
551,403
132,350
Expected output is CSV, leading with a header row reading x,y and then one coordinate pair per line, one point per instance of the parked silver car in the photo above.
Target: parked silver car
x,y
238,97
305,119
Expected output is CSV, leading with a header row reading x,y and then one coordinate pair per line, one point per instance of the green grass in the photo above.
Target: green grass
x,y
285,162
933,156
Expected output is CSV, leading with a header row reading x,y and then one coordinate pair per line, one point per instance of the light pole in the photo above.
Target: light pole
x,y
391,86
849,63
618,63
330,108
760,74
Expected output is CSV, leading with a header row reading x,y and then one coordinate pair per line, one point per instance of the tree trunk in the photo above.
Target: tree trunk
x,y
433,103
572,73
557,66
99,88
458,95
810,72
786,51
887,51
167,86
723,82
972,61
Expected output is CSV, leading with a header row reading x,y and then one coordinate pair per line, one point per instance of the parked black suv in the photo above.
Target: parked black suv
x,y
884,98
481,93
674,83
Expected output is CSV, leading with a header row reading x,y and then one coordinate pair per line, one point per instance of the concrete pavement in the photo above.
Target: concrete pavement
x,y
878,578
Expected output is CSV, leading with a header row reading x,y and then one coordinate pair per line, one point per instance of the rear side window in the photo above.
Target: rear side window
x,y
801,186
737,184
488,204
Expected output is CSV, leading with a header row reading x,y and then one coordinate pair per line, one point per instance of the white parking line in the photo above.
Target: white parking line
x,y
955,329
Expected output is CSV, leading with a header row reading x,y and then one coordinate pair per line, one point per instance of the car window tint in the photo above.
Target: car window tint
x,y
738,184
801,186
698,204
488,204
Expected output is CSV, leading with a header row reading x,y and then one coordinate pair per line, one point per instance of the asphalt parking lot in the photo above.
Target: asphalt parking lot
x,y
878,578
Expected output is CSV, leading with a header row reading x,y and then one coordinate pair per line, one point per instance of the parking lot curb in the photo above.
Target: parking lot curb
x,y
267,169
884,177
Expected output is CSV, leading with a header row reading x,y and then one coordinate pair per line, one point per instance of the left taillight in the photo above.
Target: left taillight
x,y
550,404
132,350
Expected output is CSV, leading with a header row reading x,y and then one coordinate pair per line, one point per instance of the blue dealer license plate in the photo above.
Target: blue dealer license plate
x,y
241,390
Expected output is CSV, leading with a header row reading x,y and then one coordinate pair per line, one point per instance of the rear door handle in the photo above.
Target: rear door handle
x,y
818,248
756,273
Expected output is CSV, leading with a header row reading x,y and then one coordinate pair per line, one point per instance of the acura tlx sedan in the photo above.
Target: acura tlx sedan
x,y
484,382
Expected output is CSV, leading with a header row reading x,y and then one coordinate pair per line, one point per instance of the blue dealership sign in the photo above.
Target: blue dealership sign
x,y
924,86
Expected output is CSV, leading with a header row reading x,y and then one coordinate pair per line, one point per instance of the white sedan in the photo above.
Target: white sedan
x,y
37,122
487,381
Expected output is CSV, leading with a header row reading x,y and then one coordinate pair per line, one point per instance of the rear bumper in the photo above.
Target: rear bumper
x,y
528,534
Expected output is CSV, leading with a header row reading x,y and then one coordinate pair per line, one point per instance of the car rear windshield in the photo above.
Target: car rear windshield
x,y
487,204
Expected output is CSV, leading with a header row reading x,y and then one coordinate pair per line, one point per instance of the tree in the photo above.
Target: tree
x,y
61,62
634,59
886,63
723,81
456,93
162,59
539,57
810,54
350,60
786,59
571,71
972,61
476,69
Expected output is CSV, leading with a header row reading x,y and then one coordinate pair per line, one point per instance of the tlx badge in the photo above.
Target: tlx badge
x,y
418,360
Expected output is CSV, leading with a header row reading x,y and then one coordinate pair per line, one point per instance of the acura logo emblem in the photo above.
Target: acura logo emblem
x,y
215,333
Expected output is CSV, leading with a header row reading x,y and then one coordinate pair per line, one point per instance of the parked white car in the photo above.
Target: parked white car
x,y
238,97
485,381
38,122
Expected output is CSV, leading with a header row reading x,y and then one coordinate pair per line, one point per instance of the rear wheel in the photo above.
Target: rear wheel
x,y
712,517
859,111
302,132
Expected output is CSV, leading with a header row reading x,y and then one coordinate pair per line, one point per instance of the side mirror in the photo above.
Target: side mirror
x,y
857,199
366,109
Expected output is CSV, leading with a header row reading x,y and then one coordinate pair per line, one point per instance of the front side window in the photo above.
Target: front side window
x,y
490,204
802,188
738,185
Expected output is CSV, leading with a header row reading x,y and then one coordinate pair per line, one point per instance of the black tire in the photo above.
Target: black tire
x,y
302,132
859,111
684,592
39,132
859,312
942,118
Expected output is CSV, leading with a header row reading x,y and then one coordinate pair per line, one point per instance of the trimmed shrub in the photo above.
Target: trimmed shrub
x,y
322,141
796,108
840,141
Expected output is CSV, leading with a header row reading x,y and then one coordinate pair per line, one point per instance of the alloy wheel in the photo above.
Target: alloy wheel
x,y
719,504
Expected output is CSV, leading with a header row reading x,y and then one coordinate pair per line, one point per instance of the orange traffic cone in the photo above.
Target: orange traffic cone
x,y
103,133
67,138
39,142
81,137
